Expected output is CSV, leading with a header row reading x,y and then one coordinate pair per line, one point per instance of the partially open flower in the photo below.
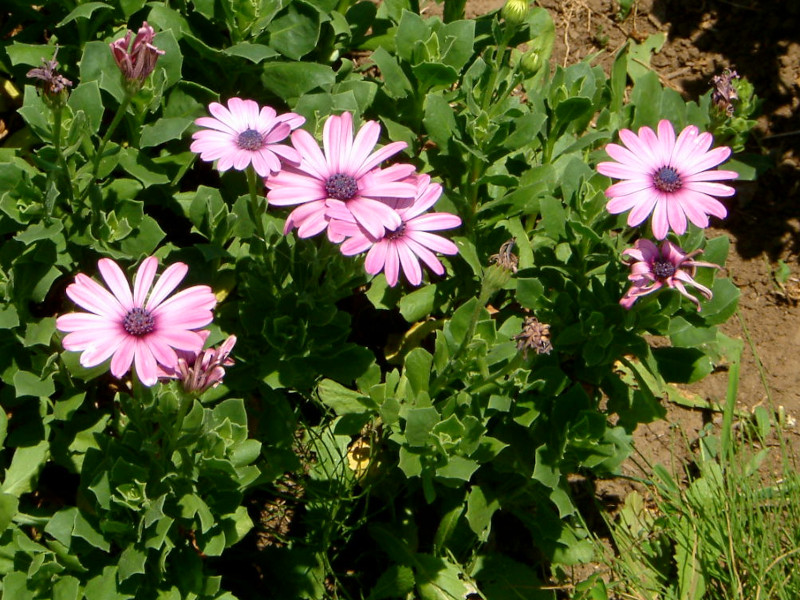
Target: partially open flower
x,y
200,371
136,61
653,268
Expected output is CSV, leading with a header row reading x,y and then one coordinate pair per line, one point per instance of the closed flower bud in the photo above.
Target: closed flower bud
x,y
530,63
514,12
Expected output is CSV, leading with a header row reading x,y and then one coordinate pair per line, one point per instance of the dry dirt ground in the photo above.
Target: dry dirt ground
x,y
761,41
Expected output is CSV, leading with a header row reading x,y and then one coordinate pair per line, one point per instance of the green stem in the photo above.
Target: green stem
x,y
255,205
121,110
441,379
62,163
185,402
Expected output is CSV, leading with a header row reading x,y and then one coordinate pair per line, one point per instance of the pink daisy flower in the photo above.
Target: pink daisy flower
x,y
143,328
667,177
653,268
242,134
346,171
405,245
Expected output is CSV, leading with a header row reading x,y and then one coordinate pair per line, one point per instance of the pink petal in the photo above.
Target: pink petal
x,y
377,157
409,264
434,242
376,257
116,281
428,257
374,216
79,320
675,215
123,357
145,363
144,279
313,161
660,221
434,222
666,142
337,138
89,294
169,280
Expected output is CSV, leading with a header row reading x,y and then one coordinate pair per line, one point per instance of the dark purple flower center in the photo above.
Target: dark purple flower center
x,y
341,187
393,234
139,322
663,269
250,139
667,179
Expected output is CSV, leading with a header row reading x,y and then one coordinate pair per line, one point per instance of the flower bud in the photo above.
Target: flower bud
x,y
138,60
514,12
531,62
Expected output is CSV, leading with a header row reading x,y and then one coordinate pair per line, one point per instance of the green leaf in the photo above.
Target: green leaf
x,y
410,31
479,512
418,304
25,466
29,384
439,120
131,562
502,578
164,130
439,579
396,84
682,365
84,11
342,400
86,97
396,582
292,80
8,510
459,468
145,238
553,217
29,54
255,53
295,34
723,304
419,422
417,370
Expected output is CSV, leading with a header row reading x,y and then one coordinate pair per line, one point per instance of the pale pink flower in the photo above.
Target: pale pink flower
x,y
667,177
138,61
143,328
347,171
653,268
199,371
401,247
244,134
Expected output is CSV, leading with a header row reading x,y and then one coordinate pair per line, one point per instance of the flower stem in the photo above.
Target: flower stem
x,y
62,163
98,156
255,205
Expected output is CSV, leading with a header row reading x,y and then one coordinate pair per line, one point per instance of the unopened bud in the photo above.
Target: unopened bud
x,y
514,12
530,63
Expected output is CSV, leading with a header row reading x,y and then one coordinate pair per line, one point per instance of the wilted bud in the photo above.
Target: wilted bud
x,y
531,62
535,335
136,61
514,12
505,258
724,93
51,82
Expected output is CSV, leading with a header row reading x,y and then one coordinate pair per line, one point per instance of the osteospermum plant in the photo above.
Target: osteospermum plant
x,y
409,326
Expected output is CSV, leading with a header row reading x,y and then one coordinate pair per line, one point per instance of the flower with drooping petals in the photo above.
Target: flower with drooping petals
x,y
347,172
667,177
136,62
200,371
653,268
53,84
401,247
143,328
244,134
